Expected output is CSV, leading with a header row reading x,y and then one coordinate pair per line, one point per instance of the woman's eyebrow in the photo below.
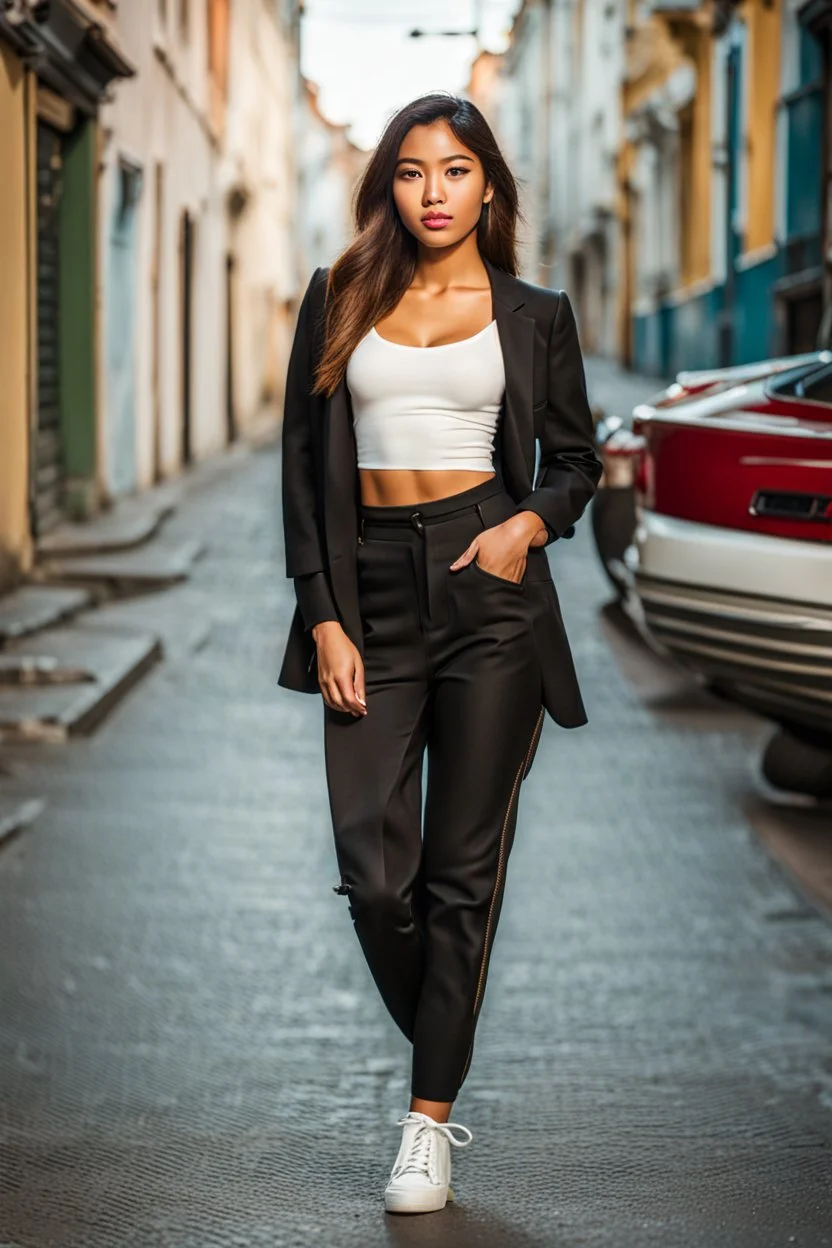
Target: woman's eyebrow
x,y
414,160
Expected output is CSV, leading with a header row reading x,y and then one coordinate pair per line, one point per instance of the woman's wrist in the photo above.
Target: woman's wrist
x,y
318,630
530,525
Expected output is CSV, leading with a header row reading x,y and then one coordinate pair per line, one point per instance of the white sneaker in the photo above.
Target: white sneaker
x,y
420,1178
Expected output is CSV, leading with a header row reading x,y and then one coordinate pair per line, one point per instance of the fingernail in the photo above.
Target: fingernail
x,y
361,700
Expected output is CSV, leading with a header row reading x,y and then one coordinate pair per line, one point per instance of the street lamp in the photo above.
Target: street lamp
x,y
446,34
418,33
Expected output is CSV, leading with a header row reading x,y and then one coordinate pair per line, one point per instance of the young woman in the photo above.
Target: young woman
x,y
422,375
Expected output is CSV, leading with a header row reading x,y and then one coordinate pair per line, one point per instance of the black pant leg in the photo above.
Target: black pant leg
x,y
486,719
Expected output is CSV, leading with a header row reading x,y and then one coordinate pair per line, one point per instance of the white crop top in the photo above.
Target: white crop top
x,y
426,407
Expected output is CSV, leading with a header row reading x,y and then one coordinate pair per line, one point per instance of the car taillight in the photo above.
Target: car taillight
x,y
622,454
645,479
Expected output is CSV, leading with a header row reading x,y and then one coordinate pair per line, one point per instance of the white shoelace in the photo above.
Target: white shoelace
x,y
419,1154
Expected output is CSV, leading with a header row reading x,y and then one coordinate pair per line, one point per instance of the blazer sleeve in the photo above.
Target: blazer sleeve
x,y
570,468
305,561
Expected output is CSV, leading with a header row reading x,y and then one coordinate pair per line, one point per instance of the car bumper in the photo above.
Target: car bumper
x,y
751,614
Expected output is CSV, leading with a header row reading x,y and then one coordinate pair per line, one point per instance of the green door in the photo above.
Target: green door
x,y
64,477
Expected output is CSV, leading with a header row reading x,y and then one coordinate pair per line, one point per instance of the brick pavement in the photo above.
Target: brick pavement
x,y
192,1053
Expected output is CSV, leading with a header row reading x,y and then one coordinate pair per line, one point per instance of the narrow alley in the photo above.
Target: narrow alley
x,y
193,1054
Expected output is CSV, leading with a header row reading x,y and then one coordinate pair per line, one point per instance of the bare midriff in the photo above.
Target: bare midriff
x,y
392,487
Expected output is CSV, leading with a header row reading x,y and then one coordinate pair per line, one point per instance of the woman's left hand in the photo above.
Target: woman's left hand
x,y
501,550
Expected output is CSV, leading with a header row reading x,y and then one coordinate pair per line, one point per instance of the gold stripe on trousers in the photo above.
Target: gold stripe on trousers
x,y
522,771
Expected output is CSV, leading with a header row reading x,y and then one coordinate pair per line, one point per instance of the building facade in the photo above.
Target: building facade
x,y
674,165
815,19
721,185
149,207
197,208
554,103
329,166
262,202
57,60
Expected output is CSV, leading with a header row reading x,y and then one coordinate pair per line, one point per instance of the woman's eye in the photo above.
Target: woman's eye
x,y
453,169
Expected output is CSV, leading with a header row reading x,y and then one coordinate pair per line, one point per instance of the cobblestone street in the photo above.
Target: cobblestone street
x,y
193,1053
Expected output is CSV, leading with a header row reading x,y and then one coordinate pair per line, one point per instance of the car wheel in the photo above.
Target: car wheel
x,y
799,763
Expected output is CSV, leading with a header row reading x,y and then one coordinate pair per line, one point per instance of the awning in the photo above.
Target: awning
x,y
68,48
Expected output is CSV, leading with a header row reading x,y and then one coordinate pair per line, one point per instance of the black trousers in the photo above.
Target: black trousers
x,y
451,669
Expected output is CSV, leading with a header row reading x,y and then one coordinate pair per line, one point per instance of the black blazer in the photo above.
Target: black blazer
x,y
545,402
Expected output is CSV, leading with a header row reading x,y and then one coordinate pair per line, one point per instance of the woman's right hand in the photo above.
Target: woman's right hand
x,y
340,669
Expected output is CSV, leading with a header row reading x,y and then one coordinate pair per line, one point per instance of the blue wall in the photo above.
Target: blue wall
x,y
678,336
690,329
754,328
694,338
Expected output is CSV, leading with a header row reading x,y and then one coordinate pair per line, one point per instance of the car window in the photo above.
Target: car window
x,y
819,386
813,382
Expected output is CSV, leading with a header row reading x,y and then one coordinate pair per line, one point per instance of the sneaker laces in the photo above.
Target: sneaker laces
x,y
419,1154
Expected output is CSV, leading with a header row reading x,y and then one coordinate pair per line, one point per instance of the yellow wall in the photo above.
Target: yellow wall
x,y
763,25
652,55
627,257
15,546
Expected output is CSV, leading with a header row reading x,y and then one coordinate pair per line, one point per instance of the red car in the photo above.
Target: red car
x,y
729,566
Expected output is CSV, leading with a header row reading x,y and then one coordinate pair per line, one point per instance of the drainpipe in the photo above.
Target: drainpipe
x,y
727,336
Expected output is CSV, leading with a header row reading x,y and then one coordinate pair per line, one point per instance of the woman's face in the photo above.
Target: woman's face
x,y
436,173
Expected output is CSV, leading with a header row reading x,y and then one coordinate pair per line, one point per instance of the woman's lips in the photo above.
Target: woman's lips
x,y
436,223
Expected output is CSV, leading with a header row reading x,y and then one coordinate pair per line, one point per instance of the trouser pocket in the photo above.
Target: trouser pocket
x,y
501,580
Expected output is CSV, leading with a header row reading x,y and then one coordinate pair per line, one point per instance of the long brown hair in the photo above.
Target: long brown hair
x,y
370,276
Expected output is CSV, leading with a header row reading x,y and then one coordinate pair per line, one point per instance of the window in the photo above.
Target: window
x,y
806,382
818,387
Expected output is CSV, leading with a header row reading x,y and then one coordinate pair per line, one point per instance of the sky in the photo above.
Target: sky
x,y
366,66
